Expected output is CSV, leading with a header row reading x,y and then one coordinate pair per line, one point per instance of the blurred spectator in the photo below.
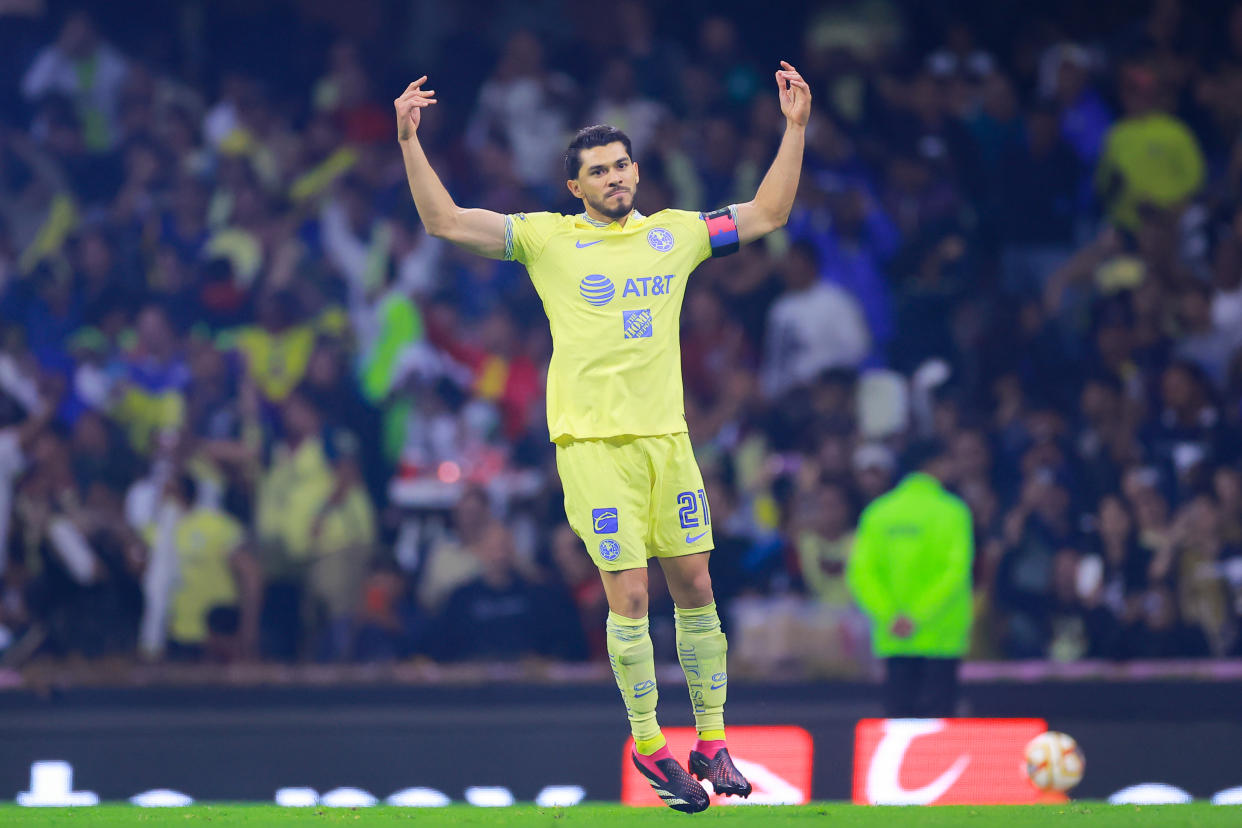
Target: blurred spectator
x,y
316,530
525,106
619,103
855,241
1208,345
800,345
1186,435
452,559
585,587
504,614
500,372
1037,532
1199,617
33,200
1065,77
89,71
19,428
150,396
214,608
824,536
1150,157
277,350
873,466
1113,583
1038,187
74,572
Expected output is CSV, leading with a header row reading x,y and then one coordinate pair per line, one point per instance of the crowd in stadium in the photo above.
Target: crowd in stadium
x,y
250,409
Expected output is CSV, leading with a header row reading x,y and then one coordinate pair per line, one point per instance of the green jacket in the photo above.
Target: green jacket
x,y
912,556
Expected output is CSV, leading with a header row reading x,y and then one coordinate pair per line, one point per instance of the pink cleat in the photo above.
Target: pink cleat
x,y
671,782
711,761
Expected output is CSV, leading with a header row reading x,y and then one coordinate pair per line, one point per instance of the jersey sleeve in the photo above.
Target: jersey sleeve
x,y
690,225
527,233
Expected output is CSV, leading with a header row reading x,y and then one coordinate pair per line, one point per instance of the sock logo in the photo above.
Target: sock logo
x,y
719,680
643,688
605,520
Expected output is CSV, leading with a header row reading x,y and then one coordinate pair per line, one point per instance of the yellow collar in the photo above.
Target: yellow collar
x,y
634,216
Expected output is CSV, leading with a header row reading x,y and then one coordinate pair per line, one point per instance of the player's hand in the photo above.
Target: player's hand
x,y
410,108
796,99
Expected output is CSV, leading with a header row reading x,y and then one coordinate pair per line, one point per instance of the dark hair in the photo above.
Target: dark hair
x,y
600,135
923,454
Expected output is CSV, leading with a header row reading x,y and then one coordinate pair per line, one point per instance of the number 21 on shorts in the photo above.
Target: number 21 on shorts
x,y
692,510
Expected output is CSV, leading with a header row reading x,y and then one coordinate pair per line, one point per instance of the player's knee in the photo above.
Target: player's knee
x,y
701,588
630,600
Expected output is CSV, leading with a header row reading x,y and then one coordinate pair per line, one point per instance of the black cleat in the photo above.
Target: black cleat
x,y
673,784
720,771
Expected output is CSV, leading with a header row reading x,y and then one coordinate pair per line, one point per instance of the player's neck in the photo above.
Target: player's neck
x,y
603,220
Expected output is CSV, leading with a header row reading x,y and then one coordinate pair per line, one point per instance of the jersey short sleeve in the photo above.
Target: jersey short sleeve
x,y
691,227
527,233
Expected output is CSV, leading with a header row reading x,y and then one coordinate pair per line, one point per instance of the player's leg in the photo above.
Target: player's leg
x,y
630,654
633,666
682,538
701,644
607,501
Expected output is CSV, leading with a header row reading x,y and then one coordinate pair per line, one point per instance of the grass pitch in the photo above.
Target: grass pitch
x,y
833,815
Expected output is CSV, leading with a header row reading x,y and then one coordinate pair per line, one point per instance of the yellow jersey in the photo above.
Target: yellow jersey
x,y
613,298
205,541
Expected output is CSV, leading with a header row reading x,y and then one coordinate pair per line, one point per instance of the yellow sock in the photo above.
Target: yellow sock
x,y
633,666
701,649
649,746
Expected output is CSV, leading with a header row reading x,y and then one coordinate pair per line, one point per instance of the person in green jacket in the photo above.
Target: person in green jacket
x,y
910,572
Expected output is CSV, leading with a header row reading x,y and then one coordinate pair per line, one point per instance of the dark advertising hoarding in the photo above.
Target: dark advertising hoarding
x,y
555,744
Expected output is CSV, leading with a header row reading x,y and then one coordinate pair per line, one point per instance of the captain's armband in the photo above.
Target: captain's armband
x,y
722,231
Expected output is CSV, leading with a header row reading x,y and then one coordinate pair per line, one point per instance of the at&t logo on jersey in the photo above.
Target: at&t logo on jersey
x,y
648,286
597,290
637,323
660,239
609,549
605,520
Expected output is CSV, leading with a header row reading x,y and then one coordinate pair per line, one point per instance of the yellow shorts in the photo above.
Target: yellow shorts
x,y
634,498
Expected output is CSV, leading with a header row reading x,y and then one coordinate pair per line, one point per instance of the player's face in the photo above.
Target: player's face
x,y
607,180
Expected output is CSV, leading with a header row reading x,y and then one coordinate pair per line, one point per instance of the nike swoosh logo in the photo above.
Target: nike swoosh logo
x,y
693,538
588,244
718,686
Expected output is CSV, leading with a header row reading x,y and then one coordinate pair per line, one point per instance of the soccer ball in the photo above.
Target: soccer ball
x,y
1054,761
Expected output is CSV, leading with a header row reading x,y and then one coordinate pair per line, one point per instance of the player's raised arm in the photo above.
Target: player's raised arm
x,y
770,207
479,231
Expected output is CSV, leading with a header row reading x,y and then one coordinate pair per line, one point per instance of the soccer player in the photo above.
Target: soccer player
x,y
612,282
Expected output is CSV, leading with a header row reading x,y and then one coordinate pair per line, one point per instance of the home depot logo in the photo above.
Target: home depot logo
x,y
776,761
945,762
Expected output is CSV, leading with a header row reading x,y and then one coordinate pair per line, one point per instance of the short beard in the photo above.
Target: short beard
x,y
620,211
